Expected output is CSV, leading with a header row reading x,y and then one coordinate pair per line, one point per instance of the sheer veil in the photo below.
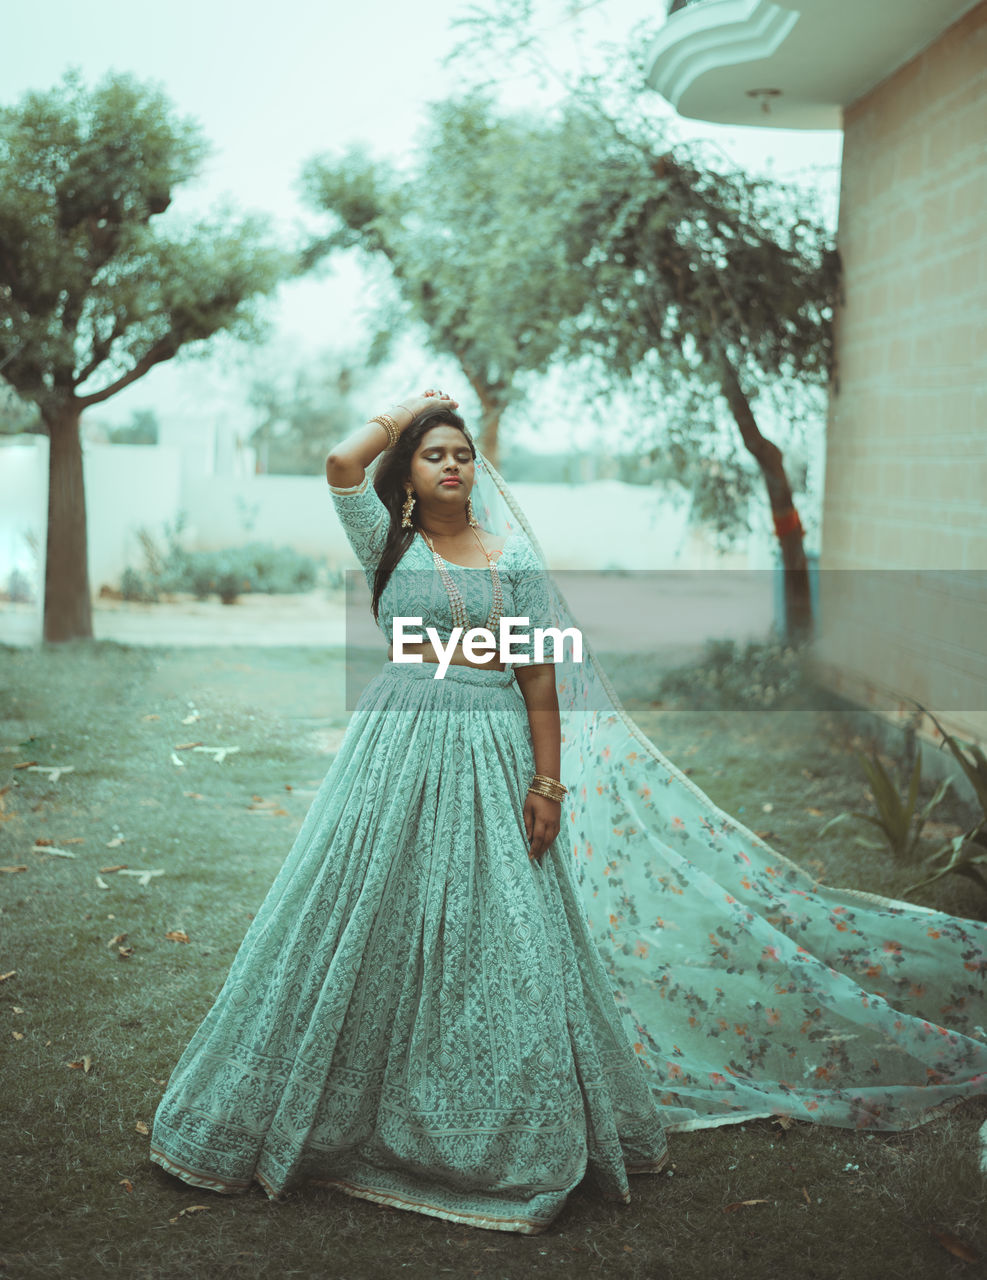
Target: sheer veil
x,y
747,988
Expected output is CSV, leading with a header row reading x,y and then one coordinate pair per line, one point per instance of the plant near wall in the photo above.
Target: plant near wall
x,y
899,820
967,852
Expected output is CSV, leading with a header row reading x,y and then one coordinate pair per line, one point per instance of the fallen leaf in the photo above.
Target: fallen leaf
x,y
54,771
18,1035
808,1198
17,1009
151,717
141,1127
176,935
121,937
739,1204
786,1122
120,866
9,974
116,842
27,764
816,813
191,719
192,1208
181,764
13,868
40,840
139,871
74,840
955,1246
101,883
126,1184
219,754
50,848
85,1063
188,746
124,953
193,795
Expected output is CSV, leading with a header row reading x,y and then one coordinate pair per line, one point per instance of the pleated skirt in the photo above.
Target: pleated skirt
x,y
418,1014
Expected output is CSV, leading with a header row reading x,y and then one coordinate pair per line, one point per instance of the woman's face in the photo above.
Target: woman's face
x,y
442,452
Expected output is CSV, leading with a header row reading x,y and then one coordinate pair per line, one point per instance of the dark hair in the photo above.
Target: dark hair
x,y
392,471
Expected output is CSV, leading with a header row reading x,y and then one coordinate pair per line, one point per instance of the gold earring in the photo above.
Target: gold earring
x,y
409,506
471,518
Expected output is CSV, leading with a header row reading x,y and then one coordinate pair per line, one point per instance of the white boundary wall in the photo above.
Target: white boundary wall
x,y
129,487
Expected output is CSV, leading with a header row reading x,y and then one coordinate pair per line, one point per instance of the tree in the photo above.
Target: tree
x,y
92,296
700,286
452,241
299,421
570,236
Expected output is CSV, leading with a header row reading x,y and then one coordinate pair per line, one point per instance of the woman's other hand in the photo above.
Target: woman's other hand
x,y
542,821
429,400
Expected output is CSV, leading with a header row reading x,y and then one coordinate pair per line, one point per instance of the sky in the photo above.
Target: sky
x,y
274,84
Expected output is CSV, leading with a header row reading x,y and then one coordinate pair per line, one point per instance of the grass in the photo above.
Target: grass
x,y
81,1194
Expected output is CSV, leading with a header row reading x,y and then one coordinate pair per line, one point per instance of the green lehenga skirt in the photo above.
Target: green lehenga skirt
x,y
418,1014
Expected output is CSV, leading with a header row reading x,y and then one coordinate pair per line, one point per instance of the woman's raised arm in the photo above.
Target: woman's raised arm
x,y
348,461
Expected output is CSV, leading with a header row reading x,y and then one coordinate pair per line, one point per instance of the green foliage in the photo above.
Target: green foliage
x,y
141,429
257,566
18,416
19,588
302,413
899,820
91,295
137,587
762,675
522,241
967,852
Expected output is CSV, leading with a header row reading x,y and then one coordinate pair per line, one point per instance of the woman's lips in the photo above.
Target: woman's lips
x,y
451,482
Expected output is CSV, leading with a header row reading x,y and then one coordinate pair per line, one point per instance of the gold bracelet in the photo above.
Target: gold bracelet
x,y
550,788
390,426
552,782
535,789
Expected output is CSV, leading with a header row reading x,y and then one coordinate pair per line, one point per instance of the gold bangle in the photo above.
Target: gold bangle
x,y
390,426
550,788
537,791
552,782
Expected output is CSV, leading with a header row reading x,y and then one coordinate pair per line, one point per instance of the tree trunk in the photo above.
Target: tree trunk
x,y
68,608
788,527
490,419
491,409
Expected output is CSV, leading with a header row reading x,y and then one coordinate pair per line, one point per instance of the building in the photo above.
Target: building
x,y
903,587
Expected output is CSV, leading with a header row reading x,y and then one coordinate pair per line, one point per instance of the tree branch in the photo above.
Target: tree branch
x,y
162,350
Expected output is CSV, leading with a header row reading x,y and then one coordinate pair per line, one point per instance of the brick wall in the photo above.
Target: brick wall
x,y
905,506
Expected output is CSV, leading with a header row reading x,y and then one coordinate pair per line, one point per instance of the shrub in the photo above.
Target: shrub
x,y
19,587
259,566
765,674
135,586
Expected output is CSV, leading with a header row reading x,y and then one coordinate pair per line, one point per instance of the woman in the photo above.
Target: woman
x,y
418,1013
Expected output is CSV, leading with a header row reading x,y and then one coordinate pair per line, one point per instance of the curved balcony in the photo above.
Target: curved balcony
x,y
758,62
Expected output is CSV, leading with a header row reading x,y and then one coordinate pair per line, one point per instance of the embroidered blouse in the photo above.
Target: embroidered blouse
x,y
415,589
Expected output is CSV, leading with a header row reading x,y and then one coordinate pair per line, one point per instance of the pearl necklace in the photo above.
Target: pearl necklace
x,y
460,617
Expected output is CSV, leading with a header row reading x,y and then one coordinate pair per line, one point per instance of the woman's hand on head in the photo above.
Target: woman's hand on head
x,y
431,399
542,822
